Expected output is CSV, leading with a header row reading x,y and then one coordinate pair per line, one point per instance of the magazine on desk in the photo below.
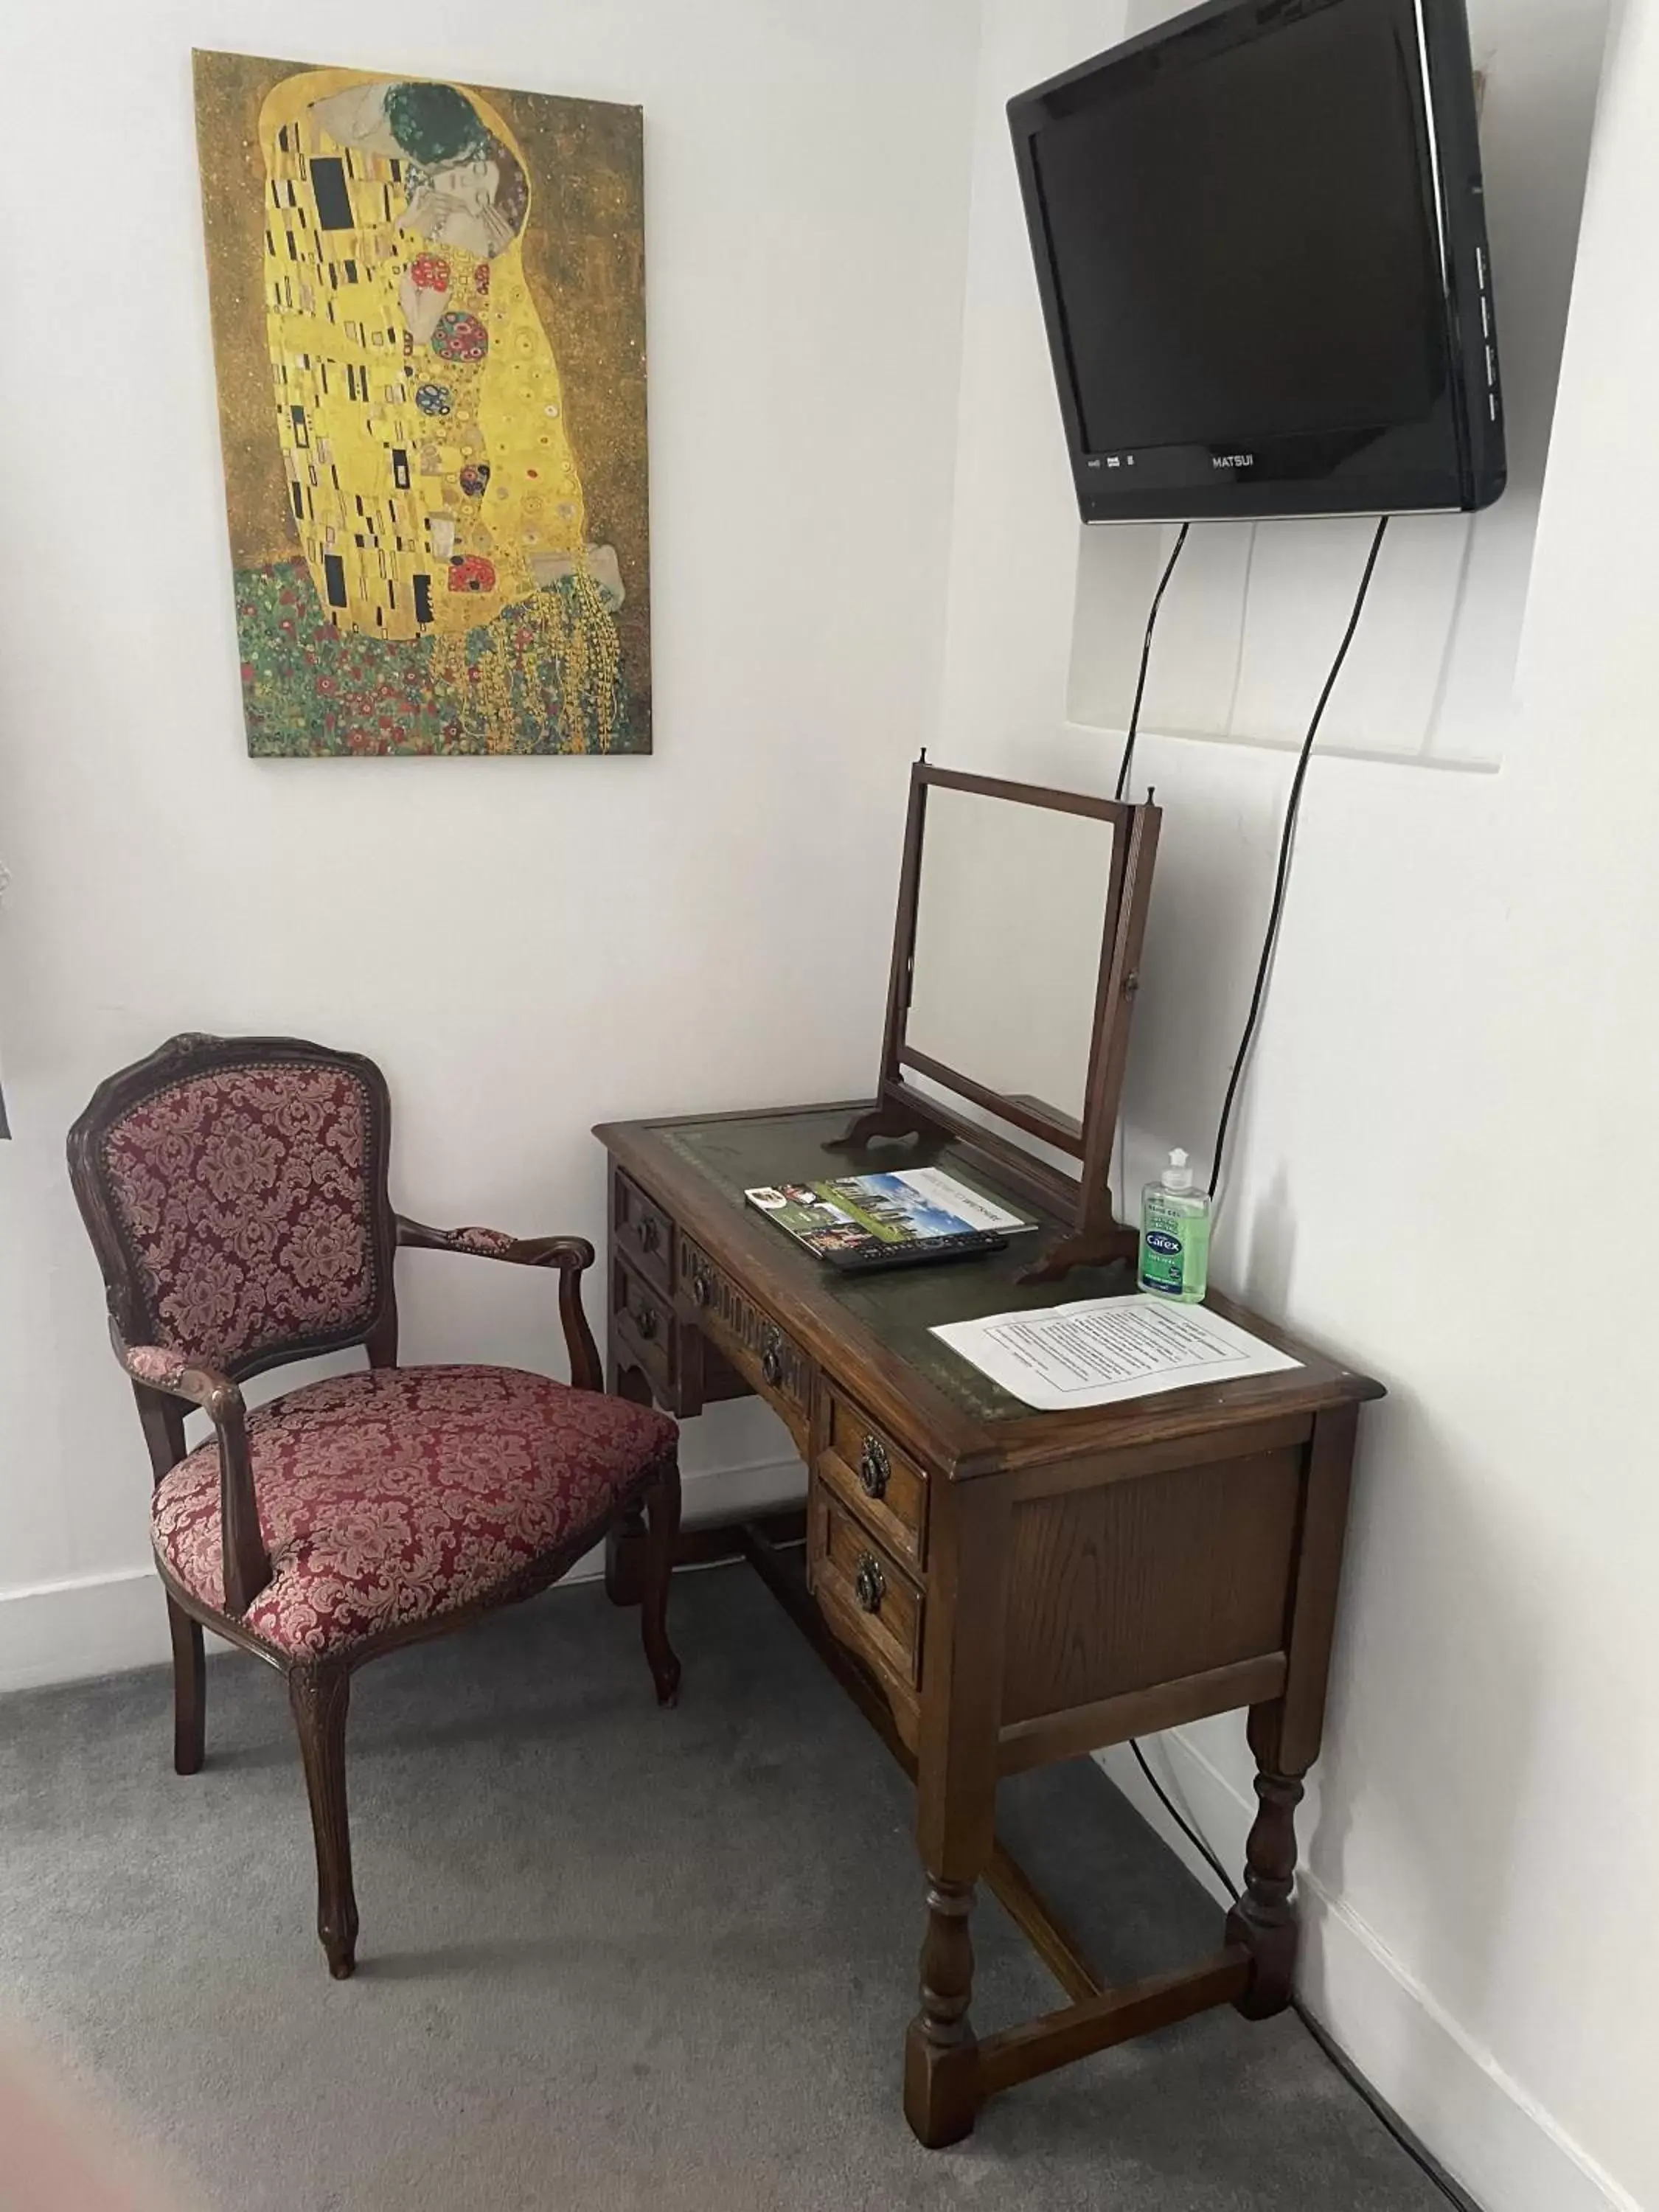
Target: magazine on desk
x,y
873,1217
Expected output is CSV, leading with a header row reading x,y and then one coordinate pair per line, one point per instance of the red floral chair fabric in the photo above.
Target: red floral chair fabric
x,y
235,1190
246,1203
397,1495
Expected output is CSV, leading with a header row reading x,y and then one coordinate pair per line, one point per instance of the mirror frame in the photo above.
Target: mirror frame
x,y
1095,1236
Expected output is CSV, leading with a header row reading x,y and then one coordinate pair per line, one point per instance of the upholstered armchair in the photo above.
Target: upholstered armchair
x,y
235,1190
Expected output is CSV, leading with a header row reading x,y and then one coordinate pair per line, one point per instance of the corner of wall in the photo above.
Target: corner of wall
x,y
1496,2141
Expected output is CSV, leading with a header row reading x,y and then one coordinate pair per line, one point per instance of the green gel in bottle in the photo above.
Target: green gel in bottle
x,y
1174,1235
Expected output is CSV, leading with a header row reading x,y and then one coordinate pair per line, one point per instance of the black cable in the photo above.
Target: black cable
x,y
1418,2152
1145,657
1185,1825
1287,844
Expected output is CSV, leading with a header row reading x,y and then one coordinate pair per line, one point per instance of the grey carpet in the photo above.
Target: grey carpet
x,y
611,1958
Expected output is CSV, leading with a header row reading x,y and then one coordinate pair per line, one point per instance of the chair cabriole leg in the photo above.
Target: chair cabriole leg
x,y
662,1506
320,1694
189,1691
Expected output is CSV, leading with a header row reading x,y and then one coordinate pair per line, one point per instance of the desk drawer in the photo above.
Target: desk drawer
x,y
883,1485
644,1234
643,1320
866,1595
767,1357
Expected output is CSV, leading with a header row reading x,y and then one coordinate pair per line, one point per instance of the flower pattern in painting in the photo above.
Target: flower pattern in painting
x,y
389,1498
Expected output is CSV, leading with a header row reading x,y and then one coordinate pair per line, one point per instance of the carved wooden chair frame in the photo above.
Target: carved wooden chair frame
x,y
165,1390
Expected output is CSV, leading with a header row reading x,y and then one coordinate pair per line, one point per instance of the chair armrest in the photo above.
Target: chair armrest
x,y
246,1563
573,1253
570,1255
159,1369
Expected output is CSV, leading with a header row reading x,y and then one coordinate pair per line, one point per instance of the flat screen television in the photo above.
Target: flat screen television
x,y
1261,248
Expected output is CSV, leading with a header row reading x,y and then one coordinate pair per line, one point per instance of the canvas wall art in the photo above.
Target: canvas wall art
x,y
429,325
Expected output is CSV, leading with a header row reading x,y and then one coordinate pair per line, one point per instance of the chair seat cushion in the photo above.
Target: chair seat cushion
x,y
391,1497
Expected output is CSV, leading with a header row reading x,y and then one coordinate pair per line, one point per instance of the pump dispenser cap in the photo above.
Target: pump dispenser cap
x,y
1178,1176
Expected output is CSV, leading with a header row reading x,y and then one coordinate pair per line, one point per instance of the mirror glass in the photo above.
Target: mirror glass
x,y
1010,923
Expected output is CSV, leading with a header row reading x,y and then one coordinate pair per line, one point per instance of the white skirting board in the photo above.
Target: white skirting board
x,y
104,1624
1503,2147
90,1625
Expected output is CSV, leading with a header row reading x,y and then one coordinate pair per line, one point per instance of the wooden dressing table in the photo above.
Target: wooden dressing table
x,y
998,1588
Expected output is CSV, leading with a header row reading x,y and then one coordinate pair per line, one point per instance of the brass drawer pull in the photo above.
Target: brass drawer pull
x,y
646,1322
647,1230
701,1289
869,1585
875,1468
772,1360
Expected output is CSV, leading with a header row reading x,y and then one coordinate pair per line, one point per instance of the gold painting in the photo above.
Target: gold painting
x,y
429,322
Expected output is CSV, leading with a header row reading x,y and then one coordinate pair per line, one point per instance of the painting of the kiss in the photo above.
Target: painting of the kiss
x,y
429,322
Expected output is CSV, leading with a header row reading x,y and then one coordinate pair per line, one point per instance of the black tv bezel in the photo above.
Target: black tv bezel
x,y
1455,463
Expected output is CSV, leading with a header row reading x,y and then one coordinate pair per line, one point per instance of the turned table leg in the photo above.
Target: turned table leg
x,y
1265,1916
955,1800
940,2075
1284,1736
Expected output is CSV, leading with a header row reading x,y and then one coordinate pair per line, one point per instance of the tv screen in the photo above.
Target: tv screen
x,y
1263,258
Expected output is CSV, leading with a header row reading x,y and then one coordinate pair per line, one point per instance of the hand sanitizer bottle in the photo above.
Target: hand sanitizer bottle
x,y
1174,1235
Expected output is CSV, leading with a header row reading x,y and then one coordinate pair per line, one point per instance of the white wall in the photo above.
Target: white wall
x,y
525,945
1460,1034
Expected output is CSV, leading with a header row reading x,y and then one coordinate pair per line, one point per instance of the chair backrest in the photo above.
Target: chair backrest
x,y
235,1191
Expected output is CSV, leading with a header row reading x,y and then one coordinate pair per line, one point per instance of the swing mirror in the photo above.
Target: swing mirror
x,y
1016,955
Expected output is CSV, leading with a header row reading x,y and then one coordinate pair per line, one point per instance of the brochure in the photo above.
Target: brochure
x,y
865,1216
